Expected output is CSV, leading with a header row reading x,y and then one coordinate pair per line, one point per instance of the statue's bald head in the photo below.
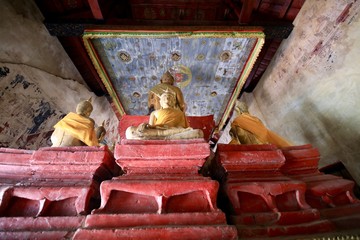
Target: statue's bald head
x,y
84,108
241,107
167,78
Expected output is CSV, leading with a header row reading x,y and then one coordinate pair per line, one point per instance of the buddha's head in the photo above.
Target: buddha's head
x,y
167,78
241,107
84,108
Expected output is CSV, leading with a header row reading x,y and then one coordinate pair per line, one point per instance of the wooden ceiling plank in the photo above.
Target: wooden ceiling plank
x,y
95,9
285,8
243,14
246,11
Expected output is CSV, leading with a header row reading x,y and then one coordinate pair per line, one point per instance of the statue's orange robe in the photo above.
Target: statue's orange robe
x,y
255,126
79,127
170,117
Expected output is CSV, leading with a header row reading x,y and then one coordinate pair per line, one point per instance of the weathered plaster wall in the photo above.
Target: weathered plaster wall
x,y
38,82
311,90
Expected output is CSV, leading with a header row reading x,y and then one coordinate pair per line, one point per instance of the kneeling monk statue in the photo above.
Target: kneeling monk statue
x,y
248,129
76,129
166,123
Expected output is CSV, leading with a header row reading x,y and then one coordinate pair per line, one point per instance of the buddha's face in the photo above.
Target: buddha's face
x,y
167,100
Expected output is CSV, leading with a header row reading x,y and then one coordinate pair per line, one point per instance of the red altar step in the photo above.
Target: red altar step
x,y
63,181
40,227
323,190
331,194
48,189
48,198
162,195
160,232
263,201
162,156
74,163
158,206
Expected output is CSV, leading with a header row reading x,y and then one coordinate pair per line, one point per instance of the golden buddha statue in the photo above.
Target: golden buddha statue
x,y
167,122
76,129
166,82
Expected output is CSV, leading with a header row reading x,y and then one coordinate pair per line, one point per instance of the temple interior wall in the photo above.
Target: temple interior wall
x,y
311,91
38,82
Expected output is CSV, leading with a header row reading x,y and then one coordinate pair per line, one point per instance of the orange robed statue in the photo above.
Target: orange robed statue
x,y
166,82
248,129
76,129
165,123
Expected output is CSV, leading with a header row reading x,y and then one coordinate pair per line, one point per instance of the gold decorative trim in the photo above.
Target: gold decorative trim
x,y
90,34
103,75
243,76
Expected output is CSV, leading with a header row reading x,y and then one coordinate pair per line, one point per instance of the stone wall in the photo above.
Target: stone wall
x,y
311,91
38,82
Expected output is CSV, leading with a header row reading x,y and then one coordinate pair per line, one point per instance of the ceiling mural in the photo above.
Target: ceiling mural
x,y
209,67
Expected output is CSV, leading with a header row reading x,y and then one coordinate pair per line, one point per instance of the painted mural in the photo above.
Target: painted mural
x,y
25,122
33,101
209,67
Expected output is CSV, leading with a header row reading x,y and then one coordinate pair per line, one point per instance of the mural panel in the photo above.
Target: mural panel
x,y
210,67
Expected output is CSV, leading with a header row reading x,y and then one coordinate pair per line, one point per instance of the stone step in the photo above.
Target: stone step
x,y
158,196
48,198
11,224
270,160
38,235
178,176
279,218
166,158
73,162
15,163
262,196
320,226
154,219
215,232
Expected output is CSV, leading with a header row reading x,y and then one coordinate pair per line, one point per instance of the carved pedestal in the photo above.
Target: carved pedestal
x,y
43,193
264,202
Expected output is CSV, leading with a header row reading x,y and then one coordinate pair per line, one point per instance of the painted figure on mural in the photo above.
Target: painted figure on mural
x,y
248,129
166,82
76,129
168,122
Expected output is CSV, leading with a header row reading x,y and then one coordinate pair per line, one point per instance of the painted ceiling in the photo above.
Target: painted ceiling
x,y
209,67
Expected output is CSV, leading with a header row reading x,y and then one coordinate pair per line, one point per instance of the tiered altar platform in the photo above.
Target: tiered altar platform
x,y
161,194
152,189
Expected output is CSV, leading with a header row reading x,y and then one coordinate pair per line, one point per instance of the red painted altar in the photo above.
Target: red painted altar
x,y
253,191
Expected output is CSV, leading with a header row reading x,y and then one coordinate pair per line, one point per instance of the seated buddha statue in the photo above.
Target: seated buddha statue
x,y
248,129
168,122
76,129
166,82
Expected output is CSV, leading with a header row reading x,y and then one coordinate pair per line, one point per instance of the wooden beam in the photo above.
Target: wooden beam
x,y
243,14
95,9
285,8
246,11
75,49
